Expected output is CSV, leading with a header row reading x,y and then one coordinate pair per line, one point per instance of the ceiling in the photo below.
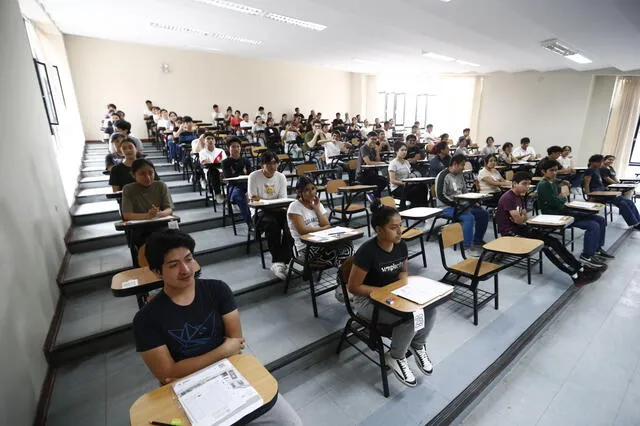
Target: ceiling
x,y
378,35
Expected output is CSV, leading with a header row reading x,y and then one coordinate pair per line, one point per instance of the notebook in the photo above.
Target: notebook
x,y
421,290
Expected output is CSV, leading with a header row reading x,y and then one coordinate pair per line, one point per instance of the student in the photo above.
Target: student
x,y
269,184
291,137
186,133
147,113
155,113
429,137
228,116
163,121
186,303
465,136
380,261
400,168
554,152
550,201
124,127
566,159
506,156
146,198
593,182
114,157
315,137
490,148
306,215
388,131
334,148
213,155
235,121
449,183
370,154
216,114
441,160
235,166
107,126
462,147
511,218
337,122
489,178
199,144
258,125
111,109
245,127
525,152
415,152
261,114
607,172
121,173
272,137
283,121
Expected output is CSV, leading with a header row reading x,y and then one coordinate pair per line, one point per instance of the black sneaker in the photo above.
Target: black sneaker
x,y
592,263
587,276
603,253
599,259
401,370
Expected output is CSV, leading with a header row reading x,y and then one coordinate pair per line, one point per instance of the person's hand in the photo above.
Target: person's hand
x,y
255,198
233,345
153,212
315,202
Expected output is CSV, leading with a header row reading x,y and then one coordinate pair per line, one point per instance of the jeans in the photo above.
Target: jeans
x,y
474,218
628,210
238,195
595,231
171,147
273,223
403,334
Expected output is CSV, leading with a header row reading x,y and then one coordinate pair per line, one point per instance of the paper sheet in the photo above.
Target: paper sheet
x,y
582,205
549,218
217,395
155,219
421,290
276,201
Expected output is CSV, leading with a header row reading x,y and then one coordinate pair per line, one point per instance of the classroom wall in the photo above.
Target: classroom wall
x,y
196,80
34,219
549,107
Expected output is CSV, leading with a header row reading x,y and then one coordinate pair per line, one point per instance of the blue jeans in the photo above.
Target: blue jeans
x,y
171,147
628,210
472,218
238,195
595,231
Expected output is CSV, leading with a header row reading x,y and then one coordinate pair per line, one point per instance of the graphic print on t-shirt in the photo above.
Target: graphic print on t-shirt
x,y
269,188
392,267
190,336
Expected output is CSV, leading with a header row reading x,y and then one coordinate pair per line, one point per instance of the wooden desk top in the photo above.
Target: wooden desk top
x,y
374,166
243,178
266,204
163,406
354,234
319,171
605,193
565,221
145,278
420,213
146,222
115,195
356,188
585,206
622,186
382,294
419,179
513,245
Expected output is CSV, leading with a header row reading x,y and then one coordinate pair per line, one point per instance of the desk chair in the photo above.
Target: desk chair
x,y
476,270
285,162
608,205
360,327
301,169
409,235
345,211
352,165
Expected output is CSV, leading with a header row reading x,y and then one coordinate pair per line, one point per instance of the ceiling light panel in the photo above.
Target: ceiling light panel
x,y
437,56
187,30
236,7
576,57
297,22
561,48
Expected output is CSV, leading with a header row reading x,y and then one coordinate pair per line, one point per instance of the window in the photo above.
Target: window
x,y
421,110
634,160
393,106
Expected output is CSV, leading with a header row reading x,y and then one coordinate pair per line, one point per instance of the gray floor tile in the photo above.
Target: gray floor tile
x,y
324,411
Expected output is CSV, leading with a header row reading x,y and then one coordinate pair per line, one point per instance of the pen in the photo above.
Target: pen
x,y
160,423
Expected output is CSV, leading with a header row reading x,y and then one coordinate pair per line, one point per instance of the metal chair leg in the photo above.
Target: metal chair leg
x,y
383,369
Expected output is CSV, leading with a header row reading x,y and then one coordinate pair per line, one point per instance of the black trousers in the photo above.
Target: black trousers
x,y
414,193
215,179
555,251
273,223
372,178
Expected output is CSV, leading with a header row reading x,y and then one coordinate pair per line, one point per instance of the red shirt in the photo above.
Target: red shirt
x,y
235,123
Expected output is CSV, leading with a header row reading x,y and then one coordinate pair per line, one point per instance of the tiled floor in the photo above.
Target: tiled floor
x,y
583,370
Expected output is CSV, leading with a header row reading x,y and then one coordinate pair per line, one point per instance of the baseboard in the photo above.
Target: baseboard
x,y
42,408
54,327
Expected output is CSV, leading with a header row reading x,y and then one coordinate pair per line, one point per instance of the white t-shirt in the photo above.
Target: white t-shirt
x,y
309,216
148,113
263,115
566,162
195,146
519,152
215,156
332,148
388,133
216,115
494,174
429,138
402,169
267,189
164,123
246,124
258,127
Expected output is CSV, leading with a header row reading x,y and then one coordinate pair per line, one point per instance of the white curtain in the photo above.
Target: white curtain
x,y
625,109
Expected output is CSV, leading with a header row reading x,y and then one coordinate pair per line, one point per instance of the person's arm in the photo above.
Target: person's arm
x,y
302,229
282,190
518,216
491,180
115,188
549,199
392,177
586,184
608,180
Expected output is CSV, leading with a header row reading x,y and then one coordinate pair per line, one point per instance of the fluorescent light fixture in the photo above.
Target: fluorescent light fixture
x,y
236,7
293,21
579,58
470,64
436,56
180,29
561,48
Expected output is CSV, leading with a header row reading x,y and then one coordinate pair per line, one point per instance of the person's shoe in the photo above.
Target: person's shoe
x,y
401,370
479,243
586,276
422,359
592,263
603,253
203,184
473,251
220,198
599,259
279,270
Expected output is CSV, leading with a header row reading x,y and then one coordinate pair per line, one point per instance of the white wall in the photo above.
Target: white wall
x,y
127,74
34,220
552,108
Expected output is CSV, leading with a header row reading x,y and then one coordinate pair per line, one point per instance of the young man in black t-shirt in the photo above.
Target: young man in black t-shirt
x,y
234,166
192,323
120,174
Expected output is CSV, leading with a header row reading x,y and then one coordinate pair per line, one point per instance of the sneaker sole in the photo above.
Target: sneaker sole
x,y
411,385
415,356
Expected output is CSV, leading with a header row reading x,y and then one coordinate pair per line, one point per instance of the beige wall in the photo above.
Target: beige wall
x,y
550,108
127,74
34,220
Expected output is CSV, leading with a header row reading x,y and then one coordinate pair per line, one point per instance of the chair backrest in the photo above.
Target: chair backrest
x,y
334,184
508,175
306,167
343,281
256,151
142,258
283,157
451,235
388,201
353,164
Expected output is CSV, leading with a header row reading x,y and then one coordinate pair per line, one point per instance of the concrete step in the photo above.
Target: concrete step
x,y
98,181
91,195
98,170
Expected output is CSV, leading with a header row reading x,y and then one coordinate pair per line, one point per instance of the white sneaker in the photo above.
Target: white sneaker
x,y
203,184
280,270
220,198
473,251
422,359
401,370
